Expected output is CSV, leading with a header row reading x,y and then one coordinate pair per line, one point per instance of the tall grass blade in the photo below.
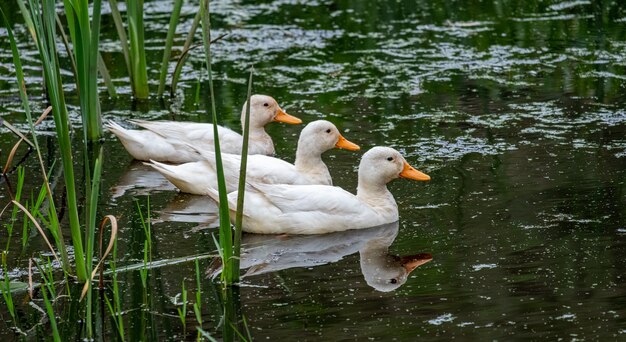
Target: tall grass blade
x,y
182,312
169,40
6,288
119,27
197,306
104,72
55,227
68,49
50,312
183,56
44,24
225,231
134,11
85,35
242,185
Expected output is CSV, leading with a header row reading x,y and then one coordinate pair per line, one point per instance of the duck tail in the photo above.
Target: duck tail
x,y
164,169
214,194
119,131
114,127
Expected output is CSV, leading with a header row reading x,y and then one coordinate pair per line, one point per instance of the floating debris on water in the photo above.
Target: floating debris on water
x,y
483,266
445,318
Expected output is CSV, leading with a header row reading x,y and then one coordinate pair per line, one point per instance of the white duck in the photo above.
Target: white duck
x,y
316,138
168,141
318,209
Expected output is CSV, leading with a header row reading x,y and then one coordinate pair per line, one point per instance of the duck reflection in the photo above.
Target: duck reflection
x,y
384,272
190,208
139,179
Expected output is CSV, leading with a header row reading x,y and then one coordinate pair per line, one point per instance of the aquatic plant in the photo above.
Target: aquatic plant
x,y
84,29
197,306
42,18
185,53
115,306
133,47
229,245
182,311
241,188
169,40
85,35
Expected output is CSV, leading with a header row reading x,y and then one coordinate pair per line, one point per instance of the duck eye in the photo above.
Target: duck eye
x,y
328,130
266,104
393,281
390,158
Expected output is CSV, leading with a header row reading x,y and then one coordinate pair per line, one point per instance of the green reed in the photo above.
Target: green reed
x,y
241,187
85,35
51,315
49,294
185,52
182,311
84,32
197,306
18,196
134,56
6,288
229,246
115,306
169,40
138,68
121,33
52,78
225,232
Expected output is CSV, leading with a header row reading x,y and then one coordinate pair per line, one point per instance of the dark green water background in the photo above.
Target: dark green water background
x,y
515,108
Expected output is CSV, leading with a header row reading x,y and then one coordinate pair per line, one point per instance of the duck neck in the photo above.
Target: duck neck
x,y
259,137
309,162
376,195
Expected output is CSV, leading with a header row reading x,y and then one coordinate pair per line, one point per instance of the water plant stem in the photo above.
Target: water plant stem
x,y
242,186
134,11
169,40
225,231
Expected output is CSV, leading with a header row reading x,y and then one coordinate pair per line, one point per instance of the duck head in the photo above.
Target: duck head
x,y
380,165
263,110
321,135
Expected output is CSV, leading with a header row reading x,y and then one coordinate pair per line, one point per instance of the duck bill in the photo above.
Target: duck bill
x,y
412,262
411,173
281,116
346,144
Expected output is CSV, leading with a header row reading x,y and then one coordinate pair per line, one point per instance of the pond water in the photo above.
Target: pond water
x,y
516,109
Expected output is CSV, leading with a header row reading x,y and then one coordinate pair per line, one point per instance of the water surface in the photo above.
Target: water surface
x,y
515,108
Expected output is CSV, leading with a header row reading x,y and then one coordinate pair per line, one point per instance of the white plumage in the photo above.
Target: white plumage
x,y
316,138
168,141
317,209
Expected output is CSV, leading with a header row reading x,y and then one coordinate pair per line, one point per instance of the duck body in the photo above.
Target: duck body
x,y
197,177
316,138
320,209
169,141
308,209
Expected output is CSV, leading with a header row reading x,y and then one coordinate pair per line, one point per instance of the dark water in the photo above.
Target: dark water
x,y
515,109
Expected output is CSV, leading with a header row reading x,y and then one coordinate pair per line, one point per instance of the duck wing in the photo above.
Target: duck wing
x,y
198,134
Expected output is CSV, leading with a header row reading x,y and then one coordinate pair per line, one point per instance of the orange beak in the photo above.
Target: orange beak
x,y
410,173
281,116
412,262
346,144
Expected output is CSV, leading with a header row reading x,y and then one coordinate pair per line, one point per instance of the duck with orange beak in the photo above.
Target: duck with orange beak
x,y
309,168
319,209
168,141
